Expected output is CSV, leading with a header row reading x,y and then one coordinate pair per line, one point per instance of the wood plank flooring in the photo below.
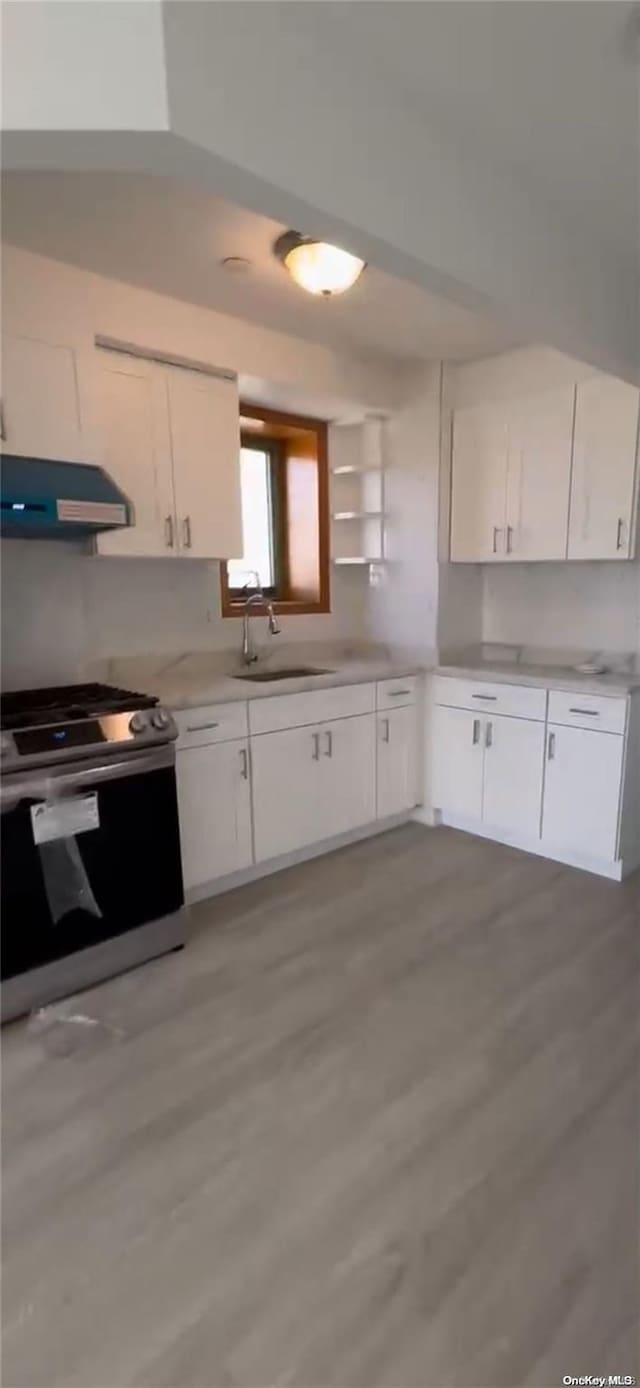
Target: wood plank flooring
x,y
376,1125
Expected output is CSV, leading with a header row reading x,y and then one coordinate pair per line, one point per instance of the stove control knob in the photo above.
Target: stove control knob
x,y
160,719
138,723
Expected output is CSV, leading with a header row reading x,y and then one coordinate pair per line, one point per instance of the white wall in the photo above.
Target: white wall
x,y
77,66
62,607
404,607
571,606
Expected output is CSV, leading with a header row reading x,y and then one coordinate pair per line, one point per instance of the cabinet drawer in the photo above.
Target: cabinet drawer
x,y
600,712
518,700
197,727
270,715
394,693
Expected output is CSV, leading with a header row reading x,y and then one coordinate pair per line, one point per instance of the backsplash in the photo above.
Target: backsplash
x,y
590,607
63,609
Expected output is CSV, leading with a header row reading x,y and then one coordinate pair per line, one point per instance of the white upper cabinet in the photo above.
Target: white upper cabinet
x,y
479,480
133,423
170,439
539,475
205,439
603,493
41,400
511,473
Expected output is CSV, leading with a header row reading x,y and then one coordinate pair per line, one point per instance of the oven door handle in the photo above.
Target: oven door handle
x,y
45,783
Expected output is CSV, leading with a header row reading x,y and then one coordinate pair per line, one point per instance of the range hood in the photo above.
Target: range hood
x,y
41,499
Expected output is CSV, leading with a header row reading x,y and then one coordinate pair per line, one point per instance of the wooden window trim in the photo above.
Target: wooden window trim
x,y
289,604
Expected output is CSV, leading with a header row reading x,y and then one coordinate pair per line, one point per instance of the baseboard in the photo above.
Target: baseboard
x,y
556,852
302,855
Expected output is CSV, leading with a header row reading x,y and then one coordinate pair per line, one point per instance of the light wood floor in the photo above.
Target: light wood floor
x,y
376,1125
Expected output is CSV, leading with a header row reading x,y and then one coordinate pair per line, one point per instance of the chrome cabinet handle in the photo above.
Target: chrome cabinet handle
x,y
497,530
386,730
488,736
586,712
619,533
3,432
509,539
315,738
488,698
551,746
475,736
329,751
186,532
200,727
168,531
244,764
396,693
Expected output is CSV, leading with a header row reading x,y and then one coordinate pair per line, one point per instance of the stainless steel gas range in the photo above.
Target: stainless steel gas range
x,y
91,867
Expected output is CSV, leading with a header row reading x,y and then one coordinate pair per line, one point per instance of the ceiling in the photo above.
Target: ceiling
x,y
545,91
170,236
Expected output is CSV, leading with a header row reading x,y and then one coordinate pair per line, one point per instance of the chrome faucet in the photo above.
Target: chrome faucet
x,y
249,655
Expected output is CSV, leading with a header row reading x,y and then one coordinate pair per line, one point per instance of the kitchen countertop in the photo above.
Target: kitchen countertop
x,y
193,680
618,683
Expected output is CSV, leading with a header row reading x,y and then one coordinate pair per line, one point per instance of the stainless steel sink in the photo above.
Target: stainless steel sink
x,y
296,672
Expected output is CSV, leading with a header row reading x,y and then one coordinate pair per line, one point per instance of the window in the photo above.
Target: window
x,y
259,566
285,514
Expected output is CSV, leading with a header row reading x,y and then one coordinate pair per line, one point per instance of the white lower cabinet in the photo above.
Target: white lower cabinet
x,y
582,791
555,772
513,765
458,757
488,769
214,801
288,791
397,761
311,783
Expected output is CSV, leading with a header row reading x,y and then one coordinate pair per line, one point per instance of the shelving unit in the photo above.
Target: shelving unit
x,y
357,494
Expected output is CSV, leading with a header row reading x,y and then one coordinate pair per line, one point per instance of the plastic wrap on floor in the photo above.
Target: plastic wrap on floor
x,y
65,1031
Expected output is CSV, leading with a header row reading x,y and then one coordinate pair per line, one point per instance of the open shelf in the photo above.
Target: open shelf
x,y
359,559
355,468
356,515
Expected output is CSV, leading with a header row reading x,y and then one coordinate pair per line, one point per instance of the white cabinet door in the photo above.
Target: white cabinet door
x,y
348,752
289,781
457,762
602,523
397,754
205,440
513,770
539,475
133,424
40,400
479,479
214,802
582,791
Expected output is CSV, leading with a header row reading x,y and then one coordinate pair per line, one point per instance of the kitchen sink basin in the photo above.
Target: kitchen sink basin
x,y
296,672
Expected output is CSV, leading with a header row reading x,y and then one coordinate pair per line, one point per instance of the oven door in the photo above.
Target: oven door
x,y
88,853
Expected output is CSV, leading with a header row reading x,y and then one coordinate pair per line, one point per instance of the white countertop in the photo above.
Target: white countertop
x,y
545,677
195,679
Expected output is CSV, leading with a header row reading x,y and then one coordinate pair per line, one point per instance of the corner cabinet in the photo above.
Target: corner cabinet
x,y
170,437
551,476
553,772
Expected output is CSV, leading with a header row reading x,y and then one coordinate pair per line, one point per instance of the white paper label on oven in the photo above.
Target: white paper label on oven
x,y
61,819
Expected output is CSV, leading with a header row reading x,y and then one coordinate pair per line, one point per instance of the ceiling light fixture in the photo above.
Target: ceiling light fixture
x,y
317,266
